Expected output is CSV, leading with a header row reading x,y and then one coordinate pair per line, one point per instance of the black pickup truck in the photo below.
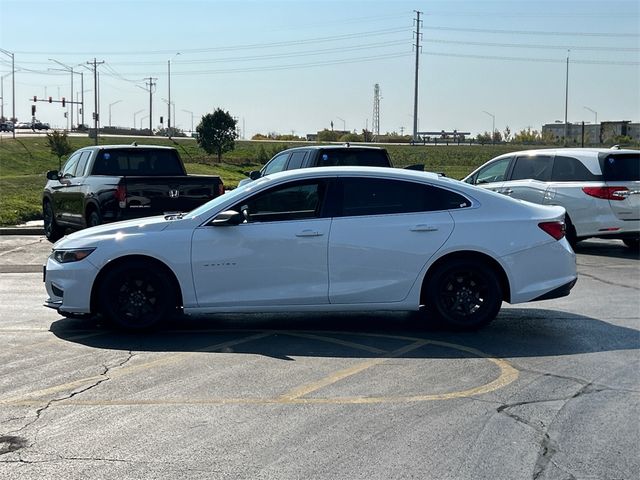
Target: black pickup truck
x,y
108,183
325,156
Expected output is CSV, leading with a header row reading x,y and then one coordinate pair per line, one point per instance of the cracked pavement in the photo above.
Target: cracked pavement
x,y
550,390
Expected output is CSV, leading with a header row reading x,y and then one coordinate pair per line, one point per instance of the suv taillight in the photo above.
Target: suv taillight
x,y
606,193
121,196
555,229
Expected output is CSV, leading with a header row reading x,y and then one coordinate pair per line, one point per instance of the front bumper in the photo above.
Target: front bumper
x,y
69,285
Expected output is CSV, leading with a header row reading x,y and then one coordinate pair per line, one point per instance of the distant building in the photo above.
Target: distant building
x,y
593,134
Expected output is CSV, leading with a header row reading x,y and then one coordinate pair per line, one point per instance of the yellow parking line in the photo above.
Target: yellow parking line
x,y
347,372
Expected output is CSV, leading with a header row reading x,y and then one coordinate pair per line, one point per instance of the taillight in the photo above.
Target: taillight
x,y
121,196
606,193
555,229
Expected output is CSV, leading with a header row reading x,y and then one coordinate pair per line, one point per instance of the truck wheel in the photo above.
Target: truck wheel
x,y
136,297
465,294
93,220
52,230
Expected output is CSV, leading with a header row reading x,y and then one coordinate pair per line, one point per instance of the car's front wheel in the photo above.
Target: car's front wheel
x,y
52,230
464,293
136,296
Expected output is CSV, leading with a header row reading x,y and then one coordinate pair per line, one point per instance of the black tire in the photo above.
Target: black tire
x,y
52,230
94,219
136,296
570,233
632,243
464,294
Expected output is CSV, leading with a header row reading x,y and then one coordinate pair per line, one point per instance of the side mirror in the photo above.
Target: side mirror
x,y
227,218
53,175
255,174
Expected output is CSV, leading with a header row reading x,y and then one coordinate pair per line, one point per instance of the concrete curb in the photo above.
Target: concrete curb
x,y
35,227
21,231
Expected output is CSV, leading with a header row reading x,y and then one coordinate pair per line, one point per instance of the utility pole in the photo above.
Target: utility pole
x,y
150,86
96,115
376,112
566,103
13,88
415,95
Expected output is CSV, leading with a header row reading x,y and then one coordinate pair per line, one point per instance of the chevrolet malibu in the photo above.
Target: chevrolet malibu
x,y
334,239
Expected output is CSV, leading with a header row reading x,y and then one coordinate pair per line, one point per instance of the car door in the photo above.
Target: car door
x,y
492,175
74,191
529,178
383,234
61,191
278,256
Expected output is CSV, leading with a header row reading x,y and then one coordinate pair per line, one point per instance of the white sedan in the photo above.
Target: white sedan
x,y
332,239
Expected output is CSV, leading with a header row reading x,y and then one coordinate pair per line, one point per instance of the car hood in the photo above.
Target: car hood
x,y
94,235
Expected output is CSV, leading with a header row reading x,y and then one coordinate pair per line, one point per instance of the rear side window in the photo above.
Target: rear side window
x,y
296,160
534,167
372,196
570,169
354,158
138,162
621,167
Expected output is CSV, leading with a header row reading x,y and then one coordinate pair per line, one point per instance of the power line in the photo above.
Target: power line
x,y
538,32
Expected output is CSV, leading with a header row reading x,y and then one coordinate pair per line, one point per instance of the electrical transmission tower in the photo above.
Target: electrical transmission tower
x,y
376,112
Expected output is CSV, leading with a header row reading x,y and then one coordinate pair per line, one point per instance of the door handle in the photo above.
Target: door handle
x,y
309,233
424,228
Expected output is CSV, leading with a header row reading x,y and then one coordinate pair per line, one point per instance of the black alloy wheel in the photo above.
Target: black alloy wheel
x,y
52,230
136,297
465,294
94,219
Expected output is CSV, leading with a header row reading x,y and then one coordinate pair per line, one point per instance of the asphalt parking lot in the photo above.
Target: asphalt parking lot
x,y
550,390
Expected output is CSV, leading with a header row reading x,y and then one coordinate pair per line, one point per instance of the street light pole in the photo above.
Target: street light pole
x,y
110,105
69,69
493,126
191,118
169,94
594,112
566,102
344,124
13,88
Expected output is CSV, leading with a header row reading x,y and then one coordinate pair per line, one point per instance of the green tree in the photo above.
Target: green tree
x,y
217,133
59,145
327,136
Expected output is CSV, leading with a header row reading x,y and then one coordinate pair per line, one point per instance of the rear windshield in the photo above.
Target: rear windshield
x,y
620,167
138,162
354,158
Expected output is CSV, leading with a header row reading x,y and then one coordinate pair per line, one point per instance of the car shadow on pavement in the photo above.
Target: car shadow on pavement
x,y
517,332
609,248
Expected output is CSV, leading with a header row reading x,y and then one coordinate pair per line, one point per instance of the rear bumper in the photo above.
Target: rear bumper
x,y
559,292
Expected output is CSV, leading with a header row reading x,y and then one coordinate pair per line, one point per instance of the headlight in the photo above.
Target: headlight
x,y
74,255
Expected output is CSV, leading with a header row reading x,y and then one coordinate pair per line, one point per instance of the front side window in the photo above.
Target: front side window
x,y
276,165
297,201
82,163
372,196
533,167
68,171
495,172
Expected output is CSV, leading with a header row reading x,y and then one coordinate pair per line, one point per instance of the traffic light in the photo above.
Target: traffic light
x,y
63,101
50,100
33,110
161,119
35,98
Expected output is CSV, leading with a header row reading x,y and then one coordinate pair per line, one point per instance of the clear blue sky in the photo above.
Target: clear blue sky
x,y
283,66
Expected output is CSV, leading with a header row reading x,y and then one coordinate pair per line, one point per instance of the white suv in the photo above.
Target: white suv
x,y
599,188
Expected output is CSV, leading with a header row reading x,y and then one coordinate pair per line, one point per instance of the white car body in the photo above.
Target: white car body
x,y
325,263
563,177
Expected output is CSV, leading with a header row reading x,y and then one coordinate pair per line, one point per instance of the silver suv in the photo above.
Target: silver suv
x,y
599,188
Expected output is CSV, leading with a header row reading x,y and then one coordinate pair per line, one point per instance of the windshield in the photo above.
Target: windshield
x,y
228,196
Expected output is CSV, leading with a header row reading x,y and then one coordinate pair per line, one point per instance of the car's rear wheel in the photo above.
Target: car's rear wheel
x,y
632,243
136,296
464,293
52,230
93,220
